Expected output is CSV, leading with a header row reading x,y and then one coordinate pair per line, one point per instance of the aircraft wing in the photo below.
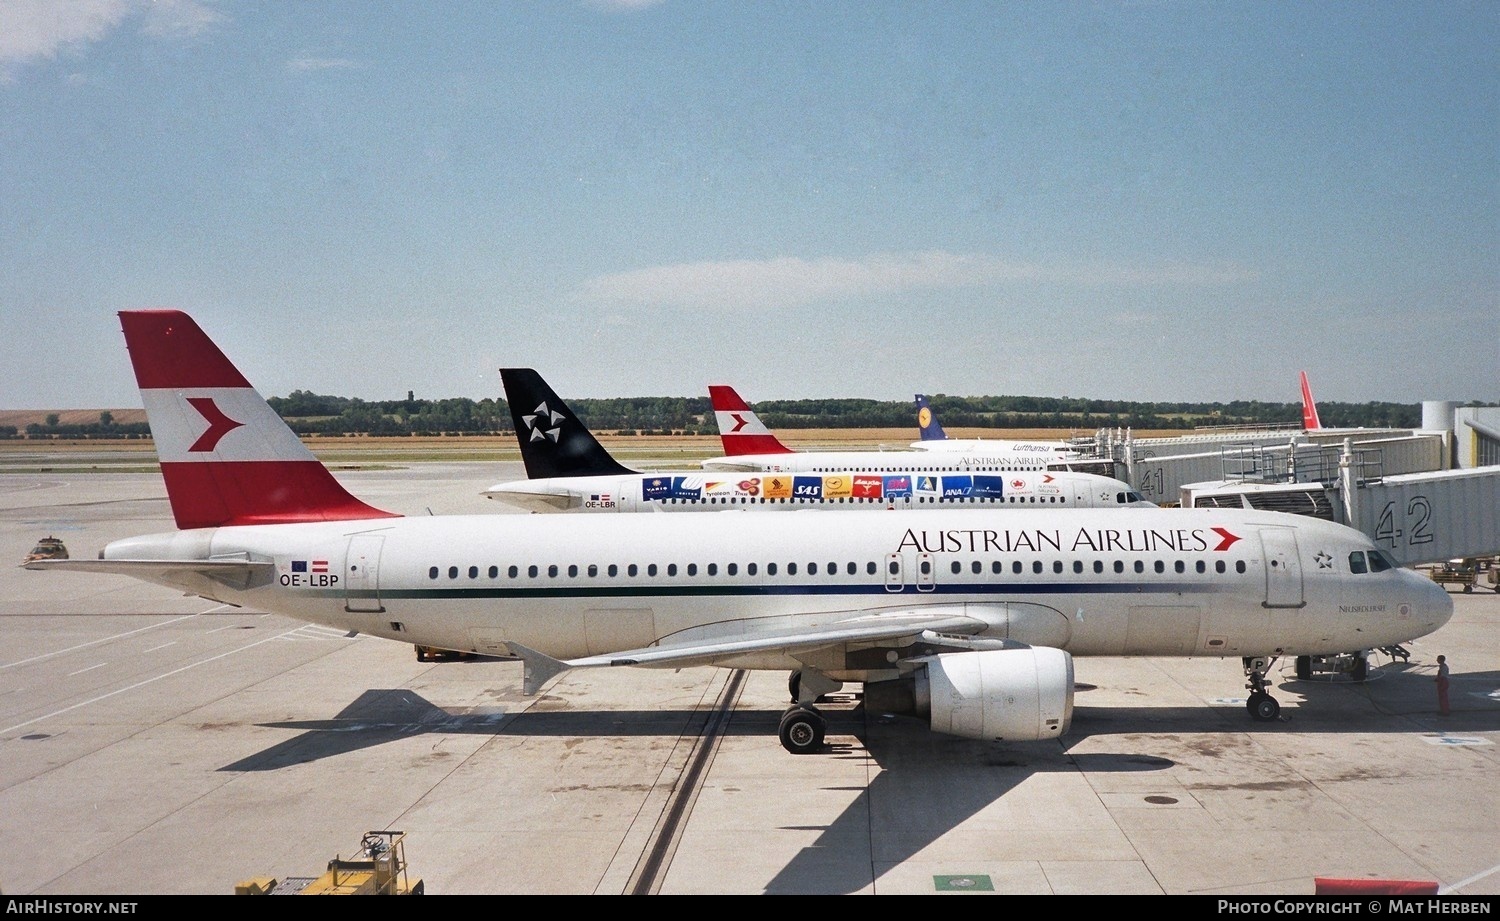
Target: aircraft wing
x,y
750,637
196,577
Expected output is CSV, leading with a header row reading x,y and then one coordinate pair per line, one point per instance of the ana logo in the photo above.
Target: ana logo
x,y
543,423
219,424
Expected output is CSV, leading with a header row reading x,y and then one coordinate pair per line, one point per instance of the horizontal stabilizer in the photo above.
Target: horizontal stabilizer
x,y
196,577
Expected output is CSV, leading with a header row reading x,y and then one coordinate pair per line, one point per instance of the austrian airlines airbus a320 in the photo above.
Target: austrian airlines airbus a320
x,y
750,446
969,619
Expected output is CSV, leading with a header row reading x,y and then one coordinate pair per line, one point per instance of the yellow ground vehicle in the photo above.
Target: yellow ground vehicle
x,y
1467,572
381,870
48,548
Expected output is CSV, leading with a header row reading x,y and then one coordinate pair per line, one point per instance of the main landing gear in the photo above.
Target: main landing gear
x,y
1261,705
802,725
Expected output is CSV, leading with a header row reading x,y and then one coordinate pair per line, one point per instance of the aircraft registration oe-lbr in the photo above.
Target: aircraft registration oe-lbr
x,y
568,470
969,619
751,447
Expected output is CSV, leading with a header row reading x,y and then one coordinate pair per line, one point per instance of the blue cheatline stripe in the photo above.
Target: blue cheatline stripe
x,y
1000,591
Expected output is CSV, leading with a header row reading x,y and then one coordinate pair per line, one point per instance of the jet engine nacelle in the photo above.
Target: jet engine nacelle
x,y
1015,695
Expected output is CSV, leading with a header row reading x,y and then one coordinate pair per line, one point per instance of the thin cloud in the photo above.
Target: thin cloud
x,y
38,30
308,64
793,282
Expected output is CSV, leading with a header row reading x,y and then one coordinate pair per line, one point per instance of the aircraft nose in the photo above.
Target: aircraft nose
x,y
1434,604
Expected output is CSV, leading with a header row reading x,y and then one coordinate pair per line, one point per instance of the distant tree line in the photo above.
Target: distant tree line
x,y
318,414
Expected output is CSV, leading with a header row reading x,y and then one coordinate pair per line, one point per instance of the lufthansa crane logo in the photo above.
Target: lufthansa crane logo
x,y
924,417
219,424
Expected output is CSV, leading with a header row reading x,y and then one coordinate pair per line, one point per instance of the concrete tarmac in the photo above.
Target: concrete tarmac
x,y
152,743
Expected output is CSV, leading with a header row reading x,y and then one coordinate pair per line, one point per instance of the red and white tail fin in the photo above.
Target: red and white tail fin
x,y
1309,408
739,428
226,456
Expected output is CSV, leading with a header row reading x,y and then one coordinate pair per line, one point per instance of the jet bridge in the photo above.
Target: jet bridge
x,y
1418,518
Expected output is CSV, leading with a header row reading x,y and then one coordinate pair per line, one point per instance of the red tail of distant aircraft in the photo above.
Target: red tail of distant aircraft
x,y
1309,408
739,428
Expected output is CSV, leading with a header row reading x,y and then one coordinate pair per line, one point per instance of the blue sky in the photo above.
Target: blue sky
x,y
1165,201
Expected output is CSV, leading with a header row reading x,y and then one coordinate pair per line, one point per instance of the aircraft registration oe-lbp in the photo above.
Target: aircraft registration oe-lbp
x,y
968,618
568,470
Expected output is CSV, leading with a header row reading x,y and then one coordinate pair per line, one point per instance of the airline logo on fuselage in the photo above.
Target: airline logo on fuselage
x,y
1094,540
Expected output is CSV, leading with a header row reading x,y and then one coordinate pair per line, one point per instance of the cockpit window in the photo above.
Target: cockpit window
x,y
1357,562
1379,562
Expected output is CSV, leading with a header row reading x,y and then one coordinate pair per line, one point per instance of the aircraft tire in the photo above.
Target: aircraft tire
x,y
1361,668
1304,667
794,684
802,730
1264,708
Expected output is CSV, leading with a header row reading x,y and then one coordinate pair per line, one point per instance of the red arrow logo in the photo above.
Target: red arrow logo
x,y
739,422
1228,539
219,424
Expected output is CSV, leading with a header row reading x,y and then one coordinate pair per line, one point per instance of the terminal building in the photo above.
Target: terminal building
x,y
1426,496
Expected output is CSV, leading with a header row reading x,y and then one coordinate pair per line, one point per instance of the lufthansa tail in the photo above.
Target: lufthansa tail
x,y
553,441
927,421
226,456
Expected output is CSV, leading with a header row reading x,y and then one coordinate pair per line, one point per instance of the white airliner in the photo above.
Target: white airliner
x,y
568,470
934,438
751,447
967,618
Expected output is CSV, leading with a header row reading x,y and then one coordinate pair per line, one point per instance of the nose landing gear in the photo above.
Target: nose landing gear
x,y
1260,704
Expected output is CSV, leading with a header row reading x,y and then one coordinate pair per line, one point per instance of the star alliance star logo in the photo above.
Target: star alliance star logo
x,y
1324,560
543,423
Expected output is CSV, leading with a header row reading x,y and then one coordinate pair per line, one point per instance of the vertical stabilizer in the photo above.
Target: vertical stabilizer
x,y
226,456
927,422
1309,408
553,440
740,429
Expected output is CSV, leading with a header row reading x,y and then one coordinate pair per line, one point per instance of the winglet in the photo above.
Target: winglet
x,y
226,456
927,422
554,442
740,429
1309,408
540,668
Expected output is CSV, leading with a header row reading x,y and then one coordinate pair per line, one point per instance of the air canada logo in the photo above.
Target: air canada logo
x,y
543,424
219,424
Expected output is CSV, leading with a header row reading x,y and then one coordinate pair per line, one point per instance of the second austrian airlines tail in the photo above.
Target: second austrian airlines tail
x,y
1309,408
226,456
739,428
